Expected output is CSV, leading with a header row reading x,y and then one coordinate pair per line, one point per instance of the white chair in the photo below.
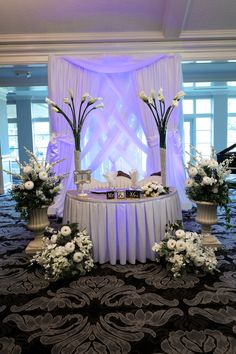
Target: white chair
x,y
95,184
120,182
123,182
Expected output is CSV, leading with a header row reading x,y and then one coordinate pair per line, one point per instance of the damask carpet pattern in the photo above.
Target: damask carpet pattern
x,y
115,309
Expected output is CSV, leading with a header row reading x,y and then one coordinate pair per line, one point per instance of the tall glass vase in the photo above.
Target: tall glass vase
x,y
77,168
77,160
38,221
163,165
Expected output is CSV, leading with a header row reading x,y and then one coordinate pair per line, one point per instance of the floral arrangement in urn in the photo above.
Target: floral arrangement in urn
x,y
207,181
38,185
65,253
161,114
183,252
154,189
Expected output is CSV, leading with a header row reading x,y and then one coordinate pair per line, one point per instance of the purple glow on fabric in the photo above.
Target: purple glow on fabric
x,y
114,64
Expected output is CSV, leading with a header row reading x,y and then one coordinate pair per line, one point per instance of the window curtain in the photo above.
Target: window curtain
x,y
119,80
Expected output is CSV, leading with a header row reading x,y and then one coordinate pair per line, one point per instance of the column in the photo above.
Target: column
x,y
4,147
24,125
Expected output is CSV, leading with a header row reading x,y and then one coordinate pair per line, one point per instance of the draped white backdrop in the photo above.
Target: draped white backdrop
x,y
123,135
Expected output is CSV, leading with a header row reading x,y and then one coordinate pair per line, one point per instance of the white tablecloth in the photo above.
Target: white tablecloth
x,y
122,230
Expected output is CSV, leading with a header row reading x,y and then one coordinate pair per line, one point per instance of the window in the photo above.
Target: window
x,y
12,138
12,131
40,128
198,125
210,104
231,131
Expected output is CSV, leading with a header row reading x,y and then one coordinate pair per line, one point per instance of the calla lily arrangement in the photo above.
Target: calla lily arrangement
x,y
77,121
156,104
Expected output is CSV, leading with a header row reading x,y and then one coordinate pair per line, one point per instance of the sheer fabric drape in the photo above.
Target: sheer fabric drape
x,y
112,137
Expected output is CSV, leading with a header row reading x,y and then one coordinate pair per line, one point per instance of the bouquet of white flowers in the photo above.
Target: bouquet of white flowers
x,y
207,181
183,252
154,189
65,253
38,185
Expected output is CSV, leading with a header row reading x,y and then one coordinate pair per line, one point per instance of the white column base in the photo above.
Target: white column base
x,y
35,245
211,241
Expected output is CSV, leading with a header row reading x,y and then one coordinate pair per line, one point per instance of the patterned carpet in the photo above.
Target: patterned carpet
x,y
115,309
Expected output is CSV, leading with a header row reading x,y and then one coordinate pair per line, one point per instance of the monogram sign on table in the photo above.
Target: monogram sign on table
x,y
87,105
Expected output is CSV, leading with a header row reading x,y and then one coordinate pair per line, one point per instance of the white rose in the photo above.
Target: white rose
x,y
27,169
43,175
179,233
180,245
192,171
171,243
38,168
70,247
189,183
54,238
77,257
65,230
29,185
199,261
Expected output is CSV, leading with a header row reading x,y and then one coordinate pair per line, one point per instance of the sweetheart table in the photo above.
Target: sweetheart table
x,y
122,230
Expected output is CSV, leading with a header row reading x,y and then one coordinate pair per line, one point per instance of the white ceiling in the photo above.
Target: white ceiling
x,y
165,18
37,28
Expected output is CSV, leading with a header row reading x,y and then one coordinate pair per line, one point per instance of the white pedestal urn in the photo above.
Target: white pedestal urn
x,y
38,220
206,217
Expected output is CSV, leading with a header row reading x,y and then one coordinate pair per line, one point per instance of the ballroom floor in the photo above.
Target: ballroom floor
x,y
137,309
